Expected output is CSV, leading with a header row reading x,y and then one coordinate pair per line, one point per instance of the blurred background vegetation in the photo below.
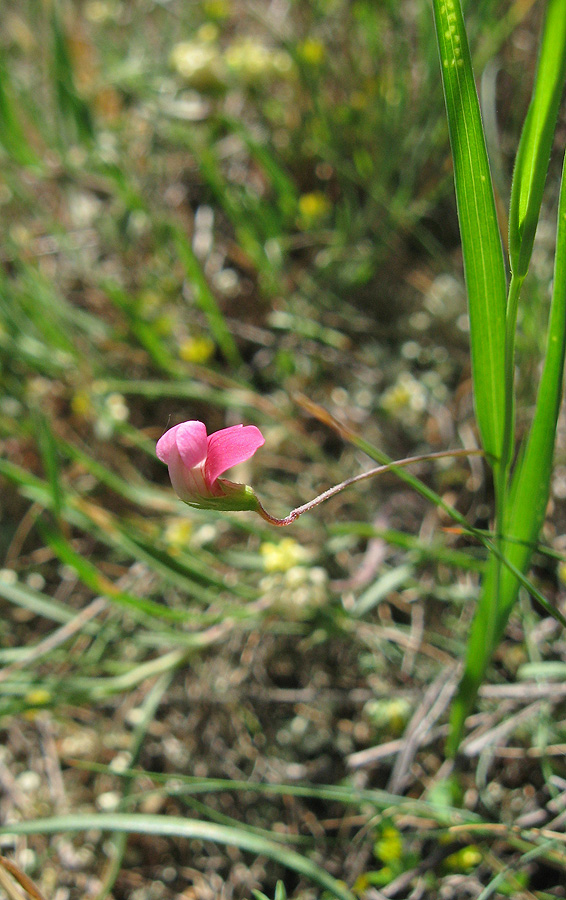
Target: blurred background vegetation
x,y
244,212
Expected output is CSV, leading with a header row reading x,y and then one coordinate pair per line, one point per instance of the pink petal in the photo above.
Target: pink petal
x,y
190,438
230,446
188,484
183,448
166,445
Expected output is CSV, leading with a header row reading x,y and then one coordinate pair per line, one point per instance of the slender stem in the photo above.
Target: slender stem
x,y
295,513
510,330
502,468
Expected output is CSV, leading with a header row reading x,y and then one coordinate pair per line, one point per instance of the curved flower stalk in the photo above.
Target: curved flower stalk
x,y
196,460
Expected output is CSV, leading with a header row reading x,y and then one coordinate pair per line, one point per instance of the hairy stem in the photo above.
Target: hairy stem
x,y
295,513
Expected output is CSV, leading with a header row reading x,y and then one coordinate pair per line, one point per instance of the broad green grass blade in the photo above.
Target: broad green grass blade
x,y
530,485
528,496
173,826
536,139
481,240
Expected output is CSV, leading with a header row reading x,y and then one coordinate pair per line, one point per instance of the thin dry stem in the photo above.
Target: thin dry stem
x,y
401,463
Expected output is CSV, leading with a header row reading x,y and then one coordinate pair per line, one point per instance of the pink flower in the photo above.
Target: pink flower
x,y
196,461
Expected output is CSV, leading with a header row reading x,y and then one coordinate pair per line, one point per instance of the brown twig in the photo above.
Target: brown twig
x,y
337,488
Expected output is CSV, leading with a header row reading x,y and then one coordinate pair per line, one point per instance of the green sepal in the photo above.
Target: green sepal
x,y
235,498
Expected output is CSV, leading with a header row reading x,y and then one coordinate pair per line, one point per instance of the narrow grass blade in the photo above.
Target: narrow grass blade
x,y
346,794
528,496
481,240
224,397
139,492
391,580
12,136
49,452
119,840
144,331
247,224
479,650
280,893
10,873
173,826
435,551
99,584
205,299
509,872
404,474
34,601
478,655
73,110
196,580
281,183
530,485
533,155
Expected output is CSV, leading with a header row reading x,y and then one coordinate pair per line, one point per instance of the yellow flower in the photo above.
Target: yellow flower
x,y
197,349
388,715
199,63
283,556
407,397
389,847
312,51
81,404
313,208
217,9
178,532
250,60
36,700
38,697
208,33
463,860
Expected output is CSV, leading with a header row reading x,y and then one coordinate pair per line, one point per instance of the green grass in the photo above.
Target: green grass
x,y
521,496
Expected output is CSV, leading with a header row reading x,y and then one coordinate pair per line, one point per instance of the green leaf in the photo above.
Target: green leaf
x,y
173,826
528,497
481,240
530,486
533,155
